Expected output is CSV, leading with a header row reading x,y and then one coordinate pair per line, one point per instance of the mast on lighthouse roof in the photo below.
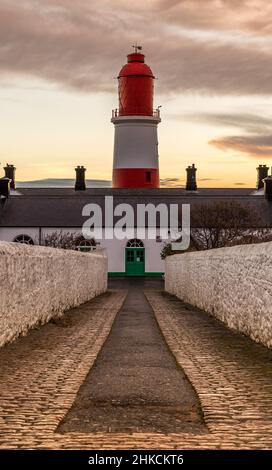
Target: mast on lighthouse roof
x,y
136,143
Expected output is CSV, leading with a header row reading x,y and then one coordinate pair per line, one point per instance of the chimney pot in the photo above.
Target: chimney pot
x,y
10,173
80,184
4,188
262,173
268,188
191,178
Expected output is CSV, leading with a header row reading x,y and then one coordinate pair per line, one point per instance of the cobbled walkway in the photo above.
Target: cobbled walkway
x,y
40,375
231,374
135,384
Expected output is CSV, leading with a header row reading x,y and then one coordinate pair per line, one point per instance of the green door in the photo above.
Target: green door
x,y
135,261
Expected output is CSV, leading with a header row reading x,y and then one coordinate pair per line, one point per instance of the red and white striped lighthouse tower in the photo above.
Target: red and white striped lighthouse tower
x,y
136,159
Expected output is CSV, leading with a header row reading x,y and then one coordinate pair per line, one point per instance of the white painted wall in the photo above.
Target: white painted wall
x,y
38,283
233,284
116,255
8,234
115,248
135,144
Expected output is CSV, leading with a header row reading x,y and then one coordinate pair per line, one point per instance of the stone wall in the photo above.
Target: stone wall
x,y
233,284
38,283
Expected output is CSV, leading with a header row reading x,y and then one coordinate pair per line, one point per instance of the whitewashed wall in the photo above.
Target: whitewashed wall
x,y
115,248
8,234
116,254
233,284
38,283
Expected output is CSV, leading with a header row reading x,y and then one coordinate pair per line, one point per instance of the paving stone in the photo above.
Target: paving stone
x,y
41,374
231,374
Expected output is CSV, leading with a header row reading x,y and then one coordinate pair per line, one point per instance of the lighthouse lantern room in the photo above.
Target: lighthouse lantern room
x,y
136,159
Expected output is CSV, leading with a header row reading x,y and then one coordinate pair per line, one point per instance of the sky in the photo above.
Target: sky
x,y
59,60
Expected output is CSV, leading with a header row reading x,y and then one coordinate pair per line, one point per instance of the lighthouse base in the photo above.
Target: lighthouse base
x,y
135,178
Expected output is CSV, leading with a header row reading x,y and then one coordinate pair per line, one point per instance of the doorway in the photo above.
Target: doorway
x,y
135,258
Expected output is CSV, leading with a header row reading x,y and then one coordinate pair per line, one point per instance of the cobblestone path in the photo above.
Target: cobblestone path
x,y
135,384
41,373
231,373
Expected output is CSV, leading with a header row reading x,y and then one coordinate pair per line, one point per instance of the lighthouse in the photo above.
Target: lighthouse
x,y
135,159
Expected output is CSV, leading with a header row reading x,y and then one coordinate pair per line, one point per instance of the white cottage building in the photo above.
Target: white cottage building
x,y
29,215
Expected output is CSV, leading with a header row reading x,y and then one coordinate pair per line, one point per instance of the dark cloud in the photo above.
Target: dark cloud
x,y
233,15
171,182
81,44
57,41
254,146
251,123
257,140
208,179
177,182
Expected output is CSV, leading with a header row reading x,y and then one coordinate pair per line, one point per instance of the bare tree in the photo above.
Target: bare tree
x,y
223,224
68,241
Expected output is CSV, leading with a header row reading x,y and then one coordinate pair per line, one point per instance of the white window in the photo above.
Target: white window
x,y
135,243
26,239
86,245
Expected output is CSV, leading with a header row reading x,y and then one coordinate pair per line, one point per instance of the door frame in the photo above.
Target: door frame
x,y
142,249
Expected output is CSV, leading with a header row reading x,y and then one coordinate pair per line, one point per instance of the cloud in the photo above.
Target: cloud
x,y
180,183
208,179
80,45
243,15
250,123
256,141
171,182
239,184
254,146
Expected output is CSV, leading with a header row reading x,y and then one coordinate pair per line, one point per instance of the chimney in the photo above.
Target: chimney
x,y
10,173
4,188
268,188
80,184
262,173
191,178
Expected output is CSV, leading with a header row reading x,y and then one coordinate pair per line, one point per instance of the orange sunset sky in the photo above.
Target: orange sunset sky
x,y
59,60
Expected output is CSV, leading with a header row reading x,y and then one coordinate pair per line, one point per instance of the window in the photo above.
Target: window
x,y
148,176
26,239
140,256
86,245
135,243
130,256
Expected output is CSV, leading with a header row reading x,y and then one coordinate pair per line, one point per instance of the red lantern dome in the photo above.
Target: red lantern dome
x,y
136,87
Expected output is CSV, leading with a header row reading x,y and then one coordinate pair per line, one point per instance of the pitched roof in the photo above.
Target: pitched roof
x,y
62,207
